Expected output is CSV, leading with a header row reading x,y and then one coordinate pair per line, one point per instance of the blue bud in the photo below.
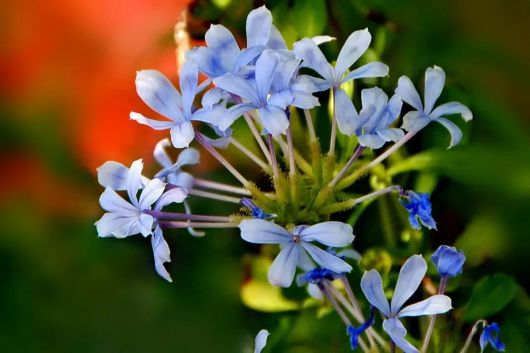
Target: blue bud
x,y
419,208
315,276
355,332
255,211
490,335
448,260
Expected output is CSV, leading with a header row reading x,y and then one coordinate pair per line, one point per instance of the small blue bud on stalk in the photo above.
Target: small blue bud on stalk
x,y
448,260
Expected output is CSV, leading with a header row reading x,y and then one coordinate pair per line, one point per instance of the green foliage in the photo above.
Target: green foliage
x,y
490,295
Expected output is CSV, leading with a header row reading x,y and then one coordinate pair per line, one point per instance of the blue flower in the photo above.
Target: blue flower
x,y
419,208
490,335
333,77
296,247
222,54
449,261
172,172
261,340
256,94
410,277
424,114
255,211
376,116
315,276
161,96
355,332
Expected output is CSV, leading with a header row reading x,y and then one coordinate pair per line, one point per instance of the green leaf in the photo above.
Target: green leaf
x,y
490,295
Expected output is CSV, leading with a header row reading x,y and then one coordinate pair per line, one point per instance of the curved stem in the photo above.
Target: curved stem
x,y
347,166
344,205
208,184
214,196
441,290
257,136
472,334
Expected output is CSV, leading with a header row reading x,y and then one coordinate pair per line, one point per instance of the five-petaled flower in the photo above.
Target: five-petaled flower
x,y
490,335
424,114
410,277
296,246
449,261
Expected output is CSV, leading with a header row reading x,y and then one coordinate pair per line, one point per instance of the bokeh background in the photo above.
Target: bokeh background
x,y
67,86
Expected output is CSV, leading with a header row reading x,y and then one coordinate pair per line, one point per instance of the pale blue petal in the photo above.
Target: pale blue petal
x,y
238,86
208,61
410,277
313,58
182,179
159,93
175,195
281,98
303,99
152,123
305,262
373,69
274,120
372,287
454,131
415,121
265,69
408,93
314,291
246,57
233,113
161,253
212,97
194,232
345,113
189,76
325,259
281,272
349,254
203,85
112,202
113,175
260,231
259,24
134,181
220,143
188,156
336,234
117,225
351,51
322,39
452,108
145,223
182,134
374,96
219,38
393,110
315,84
276,40
161,155
212,116
434,84
391,134
397,332
151,193
434,305
372,141
261,341
286,69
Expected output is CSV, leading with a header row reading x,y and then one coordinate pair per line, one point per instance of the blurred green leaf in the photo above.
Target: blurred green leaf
x,y
262,296
489,296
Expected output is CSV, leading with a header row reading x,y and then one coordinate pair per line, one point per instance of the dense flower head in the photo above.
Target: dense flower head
x,y
491,335
419,207
449,261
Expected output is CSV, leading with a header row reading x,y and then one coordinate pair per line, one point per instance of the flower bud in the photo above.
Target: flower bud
x,y
448,261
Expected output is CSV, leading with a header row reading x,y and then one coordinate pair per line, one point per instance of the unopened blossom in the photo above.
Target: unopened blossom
x,y
355,332
419,208
161,96
261,340
410,277
333,77
172,172
296,246
376,116
490,335
449,261
425,113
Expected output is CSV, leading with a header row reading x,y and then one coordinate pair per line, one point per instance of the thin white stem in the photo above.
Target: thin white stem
x,y
257,137
220,186
333,137
346,167
186,216
250,155
214,196
472,334
310,127
432,321
290,153
390,150
344,205
170,224
202,140
274,162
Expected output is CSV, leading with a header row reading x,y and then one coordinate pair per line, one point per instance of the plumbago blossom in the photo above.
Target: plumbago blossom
x,y
301,204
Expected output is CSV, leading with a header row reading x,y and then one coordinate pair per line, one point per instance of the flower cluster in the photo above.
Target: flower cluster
x,y
265,87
